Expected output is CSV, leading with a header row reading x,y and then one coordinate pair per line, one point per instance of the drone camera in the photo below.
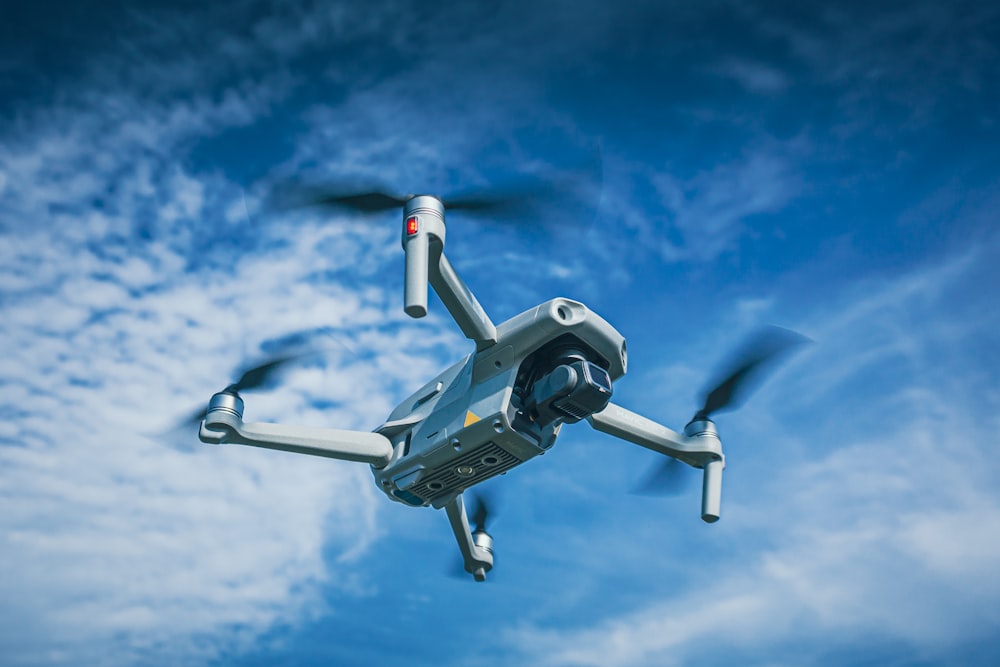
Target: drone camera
x,y
570,392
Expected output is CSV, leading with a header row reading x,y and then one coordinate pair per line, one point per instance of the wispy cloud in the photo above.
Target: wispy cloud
x,y
898,61
132,286
756,77
685,215
711,210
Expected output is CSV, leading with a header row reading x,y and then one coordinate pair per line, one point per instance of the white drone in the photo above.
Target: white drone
x,y
500,406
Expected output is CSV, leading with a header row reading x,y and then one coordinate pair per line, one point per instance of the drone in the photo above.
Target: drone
x,y
502,405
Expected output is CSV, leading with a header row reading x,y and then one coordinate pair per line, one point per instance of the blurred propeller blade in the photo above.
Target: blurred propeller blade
x,y
280,352
478,511
560,188
665,478
254,377
193,419
370,201
501,202
362,200
262,374
746,368
480,204
482,506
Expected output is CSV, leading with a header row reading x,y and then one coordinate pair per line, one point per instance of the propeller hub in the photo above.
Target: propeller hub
x,y
227,402
483,540
701,427
423,204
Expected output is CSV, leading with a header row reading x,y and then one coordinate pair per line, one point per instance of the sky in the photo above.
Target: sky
x,y
833,168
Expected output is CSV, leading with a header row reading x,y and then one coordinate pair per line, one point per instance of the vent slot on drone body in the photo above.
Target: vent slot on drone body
x,y
484,462
575,411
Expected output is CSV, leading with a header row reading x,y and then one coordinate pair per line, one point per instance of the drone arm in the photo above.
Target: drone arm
x,y
461,303
423,242
417,250
477,560
627,425
225,427
700,447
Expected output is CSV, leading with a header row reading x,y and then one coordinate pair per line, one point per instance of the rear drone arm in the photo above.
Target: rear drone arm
x,y
477,551
224,425
699,447
423,242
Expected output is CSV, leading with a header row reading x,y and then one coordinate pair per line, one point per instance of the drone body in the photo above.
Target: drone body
x,y
502,405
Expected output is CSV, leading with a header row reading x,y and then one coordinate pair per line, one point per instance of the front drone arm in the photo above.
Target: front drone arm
x,y
224,425
478,558
699,447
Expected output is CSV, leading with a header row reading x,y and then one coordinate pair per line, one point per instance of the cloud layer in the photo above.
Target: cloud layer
x,y
133,286
718,168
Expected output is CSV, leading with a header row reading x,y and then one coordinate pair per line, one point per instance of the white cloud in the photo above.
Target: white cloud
x,y
710,210
685,216
115,546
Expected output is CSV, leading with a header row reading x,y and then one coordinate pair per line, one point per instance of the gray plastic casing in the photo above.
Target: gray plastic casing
x,y
463,426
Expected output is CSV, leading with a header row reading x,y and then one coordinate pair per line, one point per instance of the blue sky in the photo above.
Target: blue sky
x,y
831,168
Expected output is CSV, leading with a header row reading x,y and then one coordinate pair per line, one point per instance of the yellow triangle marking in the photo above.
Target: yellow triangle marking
x,y
470,418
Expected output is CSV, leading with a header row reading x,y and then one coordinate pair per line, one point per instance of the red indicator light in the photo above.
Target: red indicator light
x,y
412,226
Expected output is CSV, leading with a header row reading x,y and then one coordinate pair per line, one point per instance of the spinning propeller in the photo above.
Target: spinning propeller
x,y
372,200
569,188
482,506
255,377
746,370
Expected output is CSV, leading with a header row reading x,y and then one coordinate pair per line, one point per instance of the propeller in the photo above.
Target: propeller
x,y
566,188
278,353
745,371
372,199
483,505
260,375
666,478
747,368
